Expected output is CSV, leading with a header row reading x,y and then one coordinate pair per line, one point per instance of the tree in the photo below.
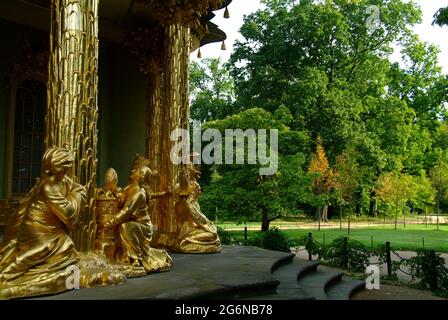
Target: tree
x,y
211,90
345,181
241,193
323,181
439,178
421,83
319,59
395,188
313,69
441,17
424,193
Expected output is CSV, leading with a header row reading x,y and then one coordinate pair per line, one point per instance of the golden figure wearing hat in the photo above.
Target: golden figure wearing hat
x,y
134,227
197,234
37,251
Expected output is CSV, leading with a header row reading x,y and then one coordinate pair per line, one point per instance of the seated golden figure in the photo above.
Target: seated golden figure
x,y
37,251
134,227
197,234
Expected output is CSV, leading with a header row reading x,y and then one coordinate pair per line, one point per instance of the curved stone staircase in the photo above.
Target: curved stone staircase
x,y
307,280
237,273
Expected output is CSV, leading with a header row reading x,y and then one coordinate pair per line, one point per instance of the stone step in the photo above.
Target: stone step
x,y
316,283
285,294
283,261
289,275
344,290
287,271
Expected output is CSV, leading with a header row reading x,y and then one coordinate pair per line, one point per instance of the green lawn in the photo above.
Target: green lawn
x,y
410,238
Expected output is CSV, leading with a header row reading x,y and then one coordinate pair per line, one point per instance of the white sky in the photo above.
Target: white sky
x,y
239,8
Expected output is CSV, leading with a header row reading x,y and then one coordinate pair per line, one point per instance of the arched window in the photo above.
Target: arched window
x,y
29,119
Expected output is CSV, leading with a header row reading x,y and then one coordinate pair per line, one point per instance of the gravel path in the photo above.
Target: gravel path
x,y
388,292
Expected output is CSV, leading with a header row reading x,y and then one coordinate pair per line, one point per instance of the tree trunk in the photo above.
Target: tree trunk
x,y
265,222
340,217
317,213
318,216
349,220
426,217
373,212
404,219
325,214
396,215
438,209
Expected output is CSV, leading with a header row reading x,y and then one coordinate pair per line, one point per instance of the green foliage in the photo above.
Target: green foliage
x,y
224,236
429,267
346,253
346,177
439,177
238,192
312,246
441,17
211,90
342,252
312,68
272,239
397,189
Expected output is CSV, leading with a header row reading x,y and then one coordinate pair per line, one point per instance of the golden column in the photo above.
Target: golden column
x,y
174,114
163,54
72,98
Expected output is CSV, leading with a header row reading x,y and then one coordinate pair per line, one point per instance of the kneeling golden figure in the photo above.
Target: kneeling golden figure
x,y
196,234
134,227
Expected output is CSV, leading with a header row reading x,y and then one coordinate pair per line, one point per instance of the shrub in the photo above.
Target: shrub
x,y
272,239
312,246
346,253
429,267
224,236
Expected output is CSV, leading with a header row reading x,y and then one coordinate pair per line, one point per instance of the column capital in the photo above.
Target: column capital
x,y
147,45
185,12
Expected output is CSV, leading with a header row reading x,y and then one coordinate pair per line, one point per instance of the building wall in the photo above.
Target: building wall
x,y
122,104
12,36
122,108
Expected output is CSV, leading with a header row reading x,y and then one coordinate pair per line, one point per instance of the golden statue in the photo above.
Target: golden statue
x,y
37,255
134,227
196,234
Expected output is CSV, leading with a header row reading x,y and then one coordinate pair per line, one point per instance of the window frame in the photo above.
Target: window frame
x,y
11,128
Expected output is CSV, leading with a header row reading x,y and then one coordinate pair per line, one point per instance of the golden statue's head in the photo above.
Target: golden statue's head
x,y
194,171
139,163
111,180
57,160
141,175
193,168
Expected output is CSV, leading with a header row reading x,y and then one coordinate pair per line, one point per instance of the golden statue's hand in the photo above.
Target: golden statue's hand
x,y
80,192
109,224
169,191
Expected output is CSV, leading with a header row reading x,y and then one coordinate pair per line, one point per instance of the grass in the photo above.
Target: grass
x,y
411,238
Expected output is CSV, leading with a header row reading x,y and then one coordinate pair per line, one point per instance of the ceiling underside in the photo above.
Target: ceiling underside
x,y
117,17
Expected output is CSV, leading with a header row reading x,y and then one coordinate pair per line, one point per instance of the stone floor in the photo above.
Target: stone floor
x,y
234,273
240,272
